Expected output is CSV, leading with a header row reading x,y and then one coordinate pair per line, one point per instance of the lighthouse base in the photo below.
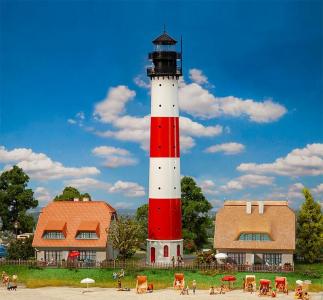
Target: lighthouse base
x,y
163,251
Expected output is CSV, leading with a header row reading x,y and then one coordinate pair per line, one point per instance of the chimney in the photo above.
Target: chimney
x,y
248,207
261,207
86,199
76,199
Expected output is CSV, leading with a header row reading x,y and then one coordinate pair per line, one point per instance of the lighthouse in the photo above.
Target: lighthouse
x,y
164,243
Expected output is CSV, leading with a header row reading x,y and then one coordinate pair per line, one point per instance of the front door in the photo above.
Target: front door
x,y
152,254
178,250
258,259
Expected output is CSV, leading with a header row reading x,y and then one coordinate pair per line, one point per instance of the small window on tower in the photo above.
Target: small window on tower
x,y
166,251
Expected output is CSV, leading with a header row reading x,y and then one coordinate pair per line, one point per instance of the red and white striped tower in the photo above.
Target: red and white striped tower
x,y
165,218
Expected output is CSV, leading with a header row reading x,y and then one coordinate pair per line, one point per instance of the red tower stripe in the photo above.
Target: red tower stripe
x,y
164,137
165,219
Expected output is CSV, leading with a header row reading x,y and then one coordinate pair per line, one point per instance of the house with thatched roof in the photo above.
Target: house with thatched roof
x,y
256,232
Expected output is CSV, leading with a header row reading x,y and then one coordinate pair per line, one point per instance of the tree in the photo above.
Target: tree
x,y
21,249
69,193
16,199
309,229
195,208
142,219
124,234
195,219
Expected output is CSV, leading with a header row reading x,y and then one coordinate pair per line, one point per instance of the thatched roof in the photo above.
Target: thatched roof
x,y
277,220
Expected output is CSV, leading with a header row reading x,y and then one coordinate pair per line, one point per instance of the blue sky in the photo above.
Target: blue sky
x,y
75,98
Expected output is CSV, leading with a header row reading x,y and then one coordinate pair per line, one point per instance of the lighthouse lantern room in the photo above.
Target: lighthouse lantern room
x,y
164,243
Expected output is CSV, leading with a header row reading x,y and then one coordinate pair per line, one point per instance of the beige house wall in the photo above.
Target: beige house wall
x,y
101,255
287,258
40,255
249,258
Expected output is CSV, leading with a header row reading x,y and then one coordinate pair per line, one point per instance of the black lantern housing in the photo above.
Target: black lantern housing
x,y
165,58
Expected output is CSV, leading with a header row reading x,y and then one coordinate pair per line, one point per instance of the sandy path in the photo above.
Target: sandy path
x,y
66,293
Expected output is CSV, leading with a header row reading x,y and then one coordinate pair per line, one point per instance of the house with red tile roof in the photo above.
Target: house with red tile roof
x,y
66,228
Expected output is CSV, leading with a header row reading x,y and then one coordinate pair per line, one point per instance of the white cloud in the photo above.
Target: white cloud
x,y
80,115
136,129
42,194
191,128
307,161
294,191
226,148
197,76
114,104
208,187
40,166
132,129
104,151
199,102
247,181
318,189
88,183
127,188
115,157
78,119
141,82
186,143
216,203
130,189
71,121
194,99
122,205
115,161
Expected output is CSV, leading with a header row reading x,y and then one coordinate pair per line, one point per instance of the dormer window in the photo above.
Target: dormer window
x,y
86,235
53,235
254,237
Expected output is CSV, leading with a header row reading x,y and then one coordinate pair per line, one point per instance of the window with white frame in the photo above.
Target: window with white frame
x,y
238,258
86,235
273,258
53,235
52,255
88,255
254,237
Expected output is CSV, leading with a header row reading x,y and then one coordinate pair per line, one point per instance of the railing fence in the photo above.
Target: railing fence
x,y
140,265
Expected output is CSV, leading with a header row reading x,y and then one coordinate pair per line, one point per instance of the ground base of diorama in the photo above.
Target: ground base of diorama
x,y
67,293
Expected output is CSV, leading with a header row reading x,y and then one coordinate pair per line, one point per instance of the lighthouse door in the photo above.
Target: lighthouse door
x,y
152,254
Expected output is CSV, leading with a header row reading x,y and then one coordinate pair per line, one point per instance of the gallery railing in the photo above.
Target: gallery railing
x,y
136,265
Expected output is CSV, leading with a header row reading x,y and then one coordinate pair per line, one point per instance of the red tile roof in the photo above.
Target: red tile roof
x,y
78,216
88,226
53,225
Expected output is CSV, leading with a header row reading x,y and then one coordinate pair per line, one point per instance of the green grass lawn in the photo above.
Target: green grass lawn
x,y
33,278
